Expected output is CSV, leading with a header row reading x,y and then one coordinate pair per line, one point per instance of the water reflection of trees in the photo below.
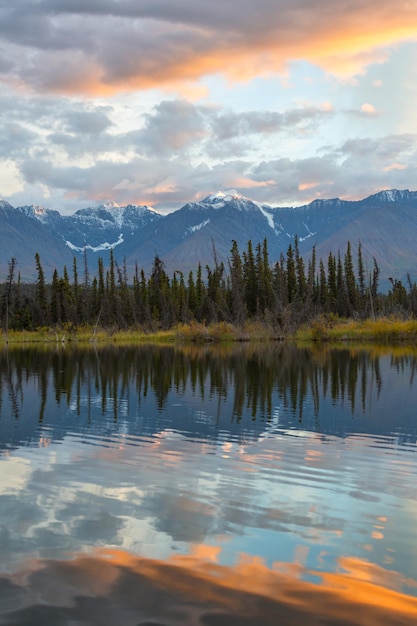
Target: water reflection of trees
x,y
252,376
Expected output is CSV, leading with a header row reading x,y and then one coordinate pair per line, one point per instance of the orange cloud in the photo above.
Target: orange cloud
x,y
174,48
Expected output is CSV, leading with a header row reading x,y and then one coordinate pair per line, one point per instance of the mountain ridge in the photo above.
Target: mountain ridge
x,y
385,223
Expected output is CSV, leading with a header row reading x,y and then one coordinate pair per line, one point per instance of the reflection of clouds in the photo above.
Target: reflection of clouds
x,y
145,487
118,588
14,472
181,517
171,491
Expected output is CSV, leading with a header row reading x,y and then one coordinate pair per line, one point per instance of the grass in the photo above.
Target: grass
x,y
89,335
323,329
183,333
384,329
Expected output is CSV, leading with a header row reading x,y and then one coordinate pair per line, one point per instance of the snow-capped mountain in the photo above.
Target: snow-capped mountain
x,y
94,228
385,223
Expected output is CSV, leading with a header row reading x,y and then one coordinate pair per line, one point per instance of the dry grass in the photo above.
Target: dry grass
x,y
382,330
323,329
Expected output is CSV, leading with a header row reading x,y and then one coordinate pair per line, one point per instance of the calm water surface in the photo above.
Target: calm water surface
x,y
230,486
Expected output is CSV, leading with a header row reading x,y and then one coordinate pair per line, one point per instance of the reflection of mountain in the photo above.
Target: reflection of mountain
x,y
238,396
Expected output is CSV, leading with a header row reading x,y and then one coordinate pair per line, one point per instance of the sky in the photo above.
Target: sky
x,y
161,103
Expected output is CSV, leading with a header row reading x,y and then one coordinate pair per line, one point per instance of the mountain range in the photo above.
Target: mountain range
x,y
385,223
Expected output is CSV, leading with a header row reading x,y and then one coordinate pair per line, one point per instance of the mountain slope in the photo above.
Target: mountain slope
x,y
22,235
191,234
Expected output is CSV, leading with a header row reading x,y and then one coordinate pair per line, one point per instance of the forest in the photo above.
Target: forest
x,y
283,294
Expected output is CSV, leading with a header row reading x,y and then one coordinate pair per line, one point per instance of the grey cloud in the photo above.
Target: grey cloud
x,y
232,124
15,139
180,150
353,171
390,147
163,183
89,122
235,148
81,131
105,179
6,63
219,13
173,126
225,14
29,27
168,183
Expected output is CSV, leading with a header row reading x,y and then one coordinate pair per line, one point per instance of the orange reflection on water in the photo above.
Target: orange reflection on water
x,y
117,587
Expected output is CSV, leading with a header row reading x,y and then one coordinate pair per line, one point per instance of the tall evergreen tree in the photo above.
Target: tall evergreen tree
x,y
332,283
350,281
55,299
237,286
300,271
8,295
42,316
251,280
361,273
291,275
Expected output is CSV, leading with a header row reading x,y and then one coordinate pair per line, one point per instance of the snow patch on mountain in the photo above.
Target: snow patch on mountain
x,y
269,217
310,234
388,195
219,199
99,248
194,229
225,196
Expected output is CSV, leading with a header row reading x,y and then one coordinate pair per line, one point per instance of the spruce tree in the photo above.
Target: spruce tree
x,y
291,275
350,280
237,285
42,317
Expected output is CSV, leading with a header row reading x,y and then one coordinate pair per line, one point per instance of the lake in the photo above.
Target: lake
x,y
209,486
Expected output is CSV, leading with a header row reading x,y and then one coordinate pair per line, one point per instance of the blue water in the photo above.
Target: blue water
x,y
208,486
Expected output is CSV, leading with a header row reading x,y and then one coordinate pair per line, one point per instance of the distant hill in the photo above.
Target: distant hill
x,y
385,223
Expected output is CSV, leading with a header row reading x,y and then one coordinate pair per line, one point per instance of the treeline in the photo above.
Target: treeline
x,y
283,294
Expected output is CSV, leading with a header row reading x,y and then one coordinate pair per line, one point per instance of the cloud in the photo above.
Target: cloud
x,y
88,122
175,126
368,109
15,139
351,171
171,127
105,47
230,124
